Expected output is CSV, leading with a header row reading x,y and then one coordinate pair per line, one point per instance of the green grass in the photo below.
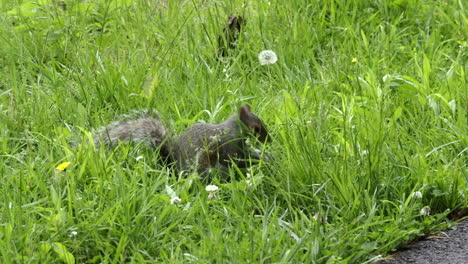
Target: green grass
x,y
352,140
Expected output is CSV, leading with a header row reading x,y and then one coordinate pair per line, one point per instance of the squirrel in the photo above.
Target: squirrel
x,y
200,147
228,40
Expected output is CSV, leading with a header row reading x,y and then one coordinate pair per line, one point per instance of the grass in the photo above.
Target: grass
x,y
353,138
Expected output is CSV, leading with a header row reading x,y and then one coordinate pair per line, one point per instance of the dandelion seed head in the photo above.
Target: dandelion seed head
x,y
267,57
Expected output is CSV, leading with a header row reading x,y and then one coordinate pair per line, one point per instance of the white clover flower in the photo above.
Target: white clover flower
x,y
417,195
267,57
211,188
426,210
175,200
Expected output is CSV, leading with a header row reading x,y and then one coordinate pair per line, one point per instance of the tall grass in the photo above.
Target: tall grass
x,y
367,105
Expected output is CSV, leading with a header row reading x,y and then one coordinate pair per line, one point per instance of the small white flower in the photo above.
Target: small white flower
x,y
417,195
73,234
211,188
175,200
426,210
267,57
249,182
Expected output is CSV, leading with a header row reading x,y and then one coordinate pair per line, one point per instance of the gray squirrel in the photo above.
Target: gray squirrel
x,y
200,147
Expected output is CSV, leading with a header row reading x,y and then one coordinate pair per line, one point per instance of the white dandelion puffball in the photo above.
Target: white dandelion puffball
x,y
267,57
211,188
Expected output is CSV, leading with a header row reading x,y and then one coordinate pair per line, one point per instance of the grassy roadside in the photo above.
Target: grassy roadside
x,y
367,105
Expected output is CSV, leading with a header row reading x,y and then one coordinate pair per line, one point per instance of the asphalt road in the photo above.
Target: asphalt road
x,y
448,247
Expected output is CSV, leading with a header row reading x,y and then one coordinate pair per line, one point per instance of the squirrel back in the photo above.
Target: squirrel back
x,y
201,146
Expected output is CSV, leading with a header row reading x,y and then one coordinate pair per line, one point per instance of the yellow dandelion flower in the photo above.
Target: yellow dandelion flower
x,y
63,166
354,60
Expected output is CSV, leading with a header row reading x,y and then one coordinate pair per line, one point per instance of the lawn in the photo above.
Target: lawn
x,y
367,107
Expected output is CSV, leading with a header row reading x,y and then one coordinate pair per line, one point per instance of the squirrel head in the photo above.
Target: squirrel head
x,y
254,123
235,22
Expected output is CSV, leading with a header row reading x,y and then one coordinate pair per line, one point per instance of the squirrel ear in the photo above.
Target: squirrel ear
x,y
245,107
244,113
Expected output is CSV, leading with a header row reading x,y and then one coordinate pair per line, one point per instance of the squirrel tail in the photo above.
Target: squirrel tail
x,y
143,128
